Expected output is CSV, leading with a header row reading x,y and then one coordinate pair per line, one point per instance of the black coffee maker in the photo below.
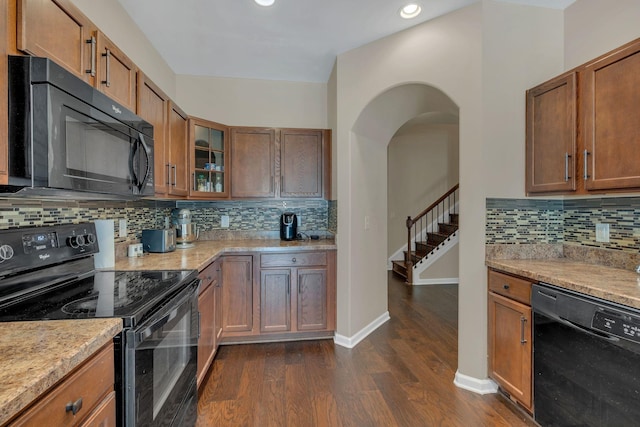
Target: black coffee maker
x,y
288,226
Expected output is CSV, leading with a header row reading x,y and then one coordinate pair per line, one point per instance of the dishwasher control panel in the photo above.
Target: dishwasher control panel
x,y
620,324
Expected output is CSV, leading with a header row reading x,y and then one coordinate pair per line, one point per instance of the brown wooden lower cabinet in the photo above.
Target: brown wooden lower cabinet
x,y
207,343
509,336
90,387
289,295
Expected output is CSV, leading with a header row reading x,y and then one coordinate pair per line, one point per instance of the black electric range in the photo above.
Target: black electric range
x,y
48,273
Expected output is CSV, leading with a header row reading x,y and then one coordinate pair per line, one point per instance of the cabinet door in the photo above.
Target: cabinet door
x,y
116,73
177,151
152,107
237,293
56,29
551,136
610,100
252,162
275,300
206,344
312,299
208,162
301,163
104,415
510,347
217,311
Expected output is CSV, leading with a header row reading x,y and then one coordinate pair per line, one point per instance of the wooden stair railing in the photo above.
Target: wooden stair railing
x,y
425,223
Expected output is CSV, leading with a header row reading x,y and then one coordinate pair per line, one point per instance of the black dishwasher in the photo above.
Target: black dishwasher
x,y
586,360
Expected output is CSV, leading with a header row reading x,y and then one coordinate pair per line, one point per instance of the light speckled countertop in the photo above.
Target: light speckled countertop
x,y
204,252
35,355
613,284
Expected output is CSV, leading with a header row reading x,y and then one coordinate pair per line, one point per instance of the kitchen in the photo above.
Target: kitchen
x,y
483,71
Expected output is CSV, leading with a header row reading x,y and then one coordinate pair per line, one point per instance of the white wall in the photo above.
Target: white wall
x,y
249,102
423,165
483,57
446,267
594,27
114,21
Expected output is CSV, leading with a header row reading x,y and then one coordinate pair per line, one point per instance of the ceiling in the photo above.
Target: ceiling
x,y
295,40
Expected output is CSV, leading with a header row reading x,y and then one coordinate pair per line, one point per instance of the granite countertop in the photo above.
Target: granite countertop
x,y
204,252
36,355
619,285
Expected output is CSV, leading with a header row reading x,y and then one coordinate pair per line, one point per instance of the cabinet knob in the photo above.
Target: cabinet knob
x,y
505,286
293,260
74,407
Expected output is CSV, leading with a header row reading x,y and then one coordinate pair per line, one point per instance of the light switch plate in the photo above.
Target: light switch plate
x,y
224,221
602,233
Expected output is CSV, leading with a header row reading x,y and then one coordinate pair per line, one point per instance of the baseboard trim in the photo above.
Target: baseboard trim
x,y
476,385
350,342
425,282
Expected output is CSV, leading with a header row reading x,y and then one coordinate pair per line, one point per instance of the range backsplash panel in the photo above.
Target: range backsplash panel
x,y
570,221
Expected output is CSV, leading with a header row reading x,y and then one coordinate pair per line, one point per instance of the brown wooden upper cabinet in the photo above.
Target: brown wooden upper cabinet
x,y
208,159
152,107
116,73
57,29
610,103
582,133
551,135
285,163
253,164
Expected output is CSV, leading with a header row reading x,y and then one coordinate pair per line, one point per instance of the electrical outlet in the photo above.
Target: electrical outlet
x,y
224,221
602,233
122,228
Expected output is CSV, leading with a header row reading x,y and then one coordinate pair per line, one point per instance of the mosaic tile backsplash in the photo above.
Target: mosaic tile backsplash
x,y
569,221
244,216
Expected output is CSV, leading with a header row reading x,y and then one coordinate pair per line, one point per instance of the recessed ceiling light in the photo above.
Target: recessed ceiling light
x,y
410,11
265,2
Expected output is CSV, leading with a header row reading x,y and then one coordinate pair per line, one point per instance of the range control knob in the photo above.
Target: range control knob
x,y
75,241
6,253
90,239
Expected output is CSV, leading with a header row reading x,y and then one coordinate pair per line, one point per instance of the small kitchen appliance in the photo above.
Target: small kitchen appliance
x,y
288,226
159,240
186,231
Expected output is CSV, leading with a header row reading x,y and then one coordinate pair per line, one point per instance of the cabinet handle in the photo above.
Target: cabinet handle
x,y
74,407
505,286
288,286
273,180
92,70
168,173
281,183
586,165
566,167
523,320
194,181
175,175
199,320
107,55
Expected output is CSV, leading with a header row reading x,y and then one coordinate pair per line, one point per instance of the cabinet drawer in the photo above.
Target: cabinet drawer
x,y
90,384
512,287
294,259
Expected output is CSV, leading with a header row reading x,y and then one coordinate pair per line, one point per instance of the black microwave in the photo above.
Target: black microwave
x,y
66,136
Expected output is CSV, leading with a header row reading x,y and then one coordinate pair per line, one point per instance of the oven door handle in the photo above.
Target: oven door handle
x,y
180,302
593,333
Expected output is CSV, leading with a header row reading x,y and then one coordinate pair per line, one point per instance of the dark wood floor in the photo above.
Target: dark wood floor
x,y
400,375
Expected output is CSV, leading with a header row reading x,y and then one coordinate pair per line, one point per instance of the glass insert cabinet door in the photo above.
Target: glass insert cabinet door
x,y
209,165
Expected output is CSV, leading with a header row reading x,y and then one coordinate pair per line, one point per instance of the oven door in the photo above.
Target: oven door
x,y
160,365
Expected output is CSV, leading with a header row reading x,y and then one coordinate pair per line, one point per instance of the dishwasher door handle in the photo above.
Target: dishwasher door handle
x,y
593,333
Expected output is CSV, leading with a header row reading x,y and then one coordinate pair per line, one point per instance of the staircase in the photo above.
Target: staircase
x,y
428,233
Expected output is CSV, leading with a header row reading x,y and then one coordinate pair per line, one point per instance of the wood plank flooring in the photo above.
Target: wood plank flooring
x,y
400,375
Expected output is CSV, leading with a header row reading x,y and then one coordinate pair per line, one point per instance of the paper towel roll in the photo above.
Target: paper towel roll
x,y
105,231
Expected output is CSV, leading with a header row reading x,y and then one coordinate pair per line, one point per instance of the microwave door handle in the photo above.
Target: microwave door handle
x,y
134,162
144,149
